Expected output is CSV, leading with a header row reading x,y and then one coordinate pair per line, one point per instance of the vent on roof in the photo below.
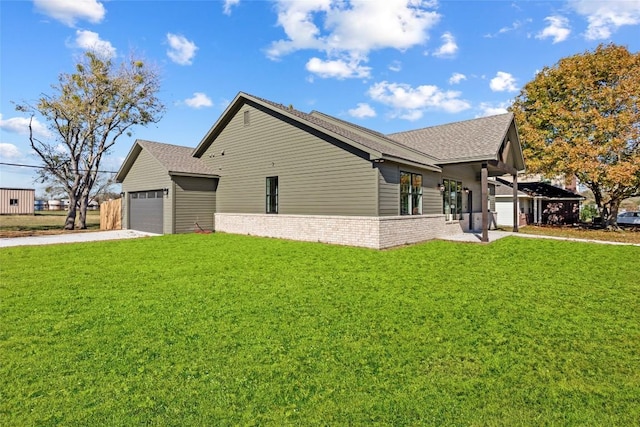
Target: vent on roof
x,y
246,118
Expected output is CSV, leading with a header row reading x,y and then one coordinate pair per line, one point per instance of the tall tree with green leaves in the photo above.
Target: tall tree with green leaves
x,y
87,113
581,117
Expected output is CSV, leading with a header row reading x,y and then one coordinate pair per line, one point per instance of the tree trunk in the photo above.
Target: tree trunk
x,y
84,203
612,221
70,222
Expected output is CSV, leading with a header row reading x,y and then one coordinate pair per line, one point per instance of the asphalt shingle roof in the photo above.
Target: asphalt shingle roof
x,y
176,158
466,140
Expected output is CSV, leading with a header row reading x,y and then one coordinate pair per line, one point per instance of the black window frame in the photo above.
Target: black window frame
x,y
452,198
411,194
271,200
13,202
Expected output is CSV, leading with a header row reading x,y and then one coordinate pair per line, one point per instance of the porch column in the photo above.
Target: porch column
x,y
484,175
516,211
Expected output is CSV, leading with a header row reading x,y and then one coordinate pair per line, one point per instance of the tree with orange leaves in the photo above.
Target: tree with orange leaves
x,y
581,118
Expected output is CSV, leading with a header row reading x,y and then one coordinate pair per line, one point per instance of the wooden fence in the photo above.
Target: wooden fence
x,y
111,215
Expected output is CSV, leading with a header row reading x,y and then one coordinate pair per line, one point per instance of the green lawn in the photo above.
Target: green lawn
x,y
223,330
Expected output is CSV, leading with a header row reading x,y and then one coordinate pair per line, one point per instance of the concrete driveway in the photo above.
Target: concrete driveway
x,y
93,236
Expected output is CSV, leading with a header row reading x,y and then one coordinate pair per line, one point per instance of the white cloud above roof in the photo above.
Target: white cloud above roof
x,y
395,66
456,78
449,47
351,29
228,4
513,27
489,109
20,125
339,68
410,103
363,110
9,151
198,100
503,82
88,40
70,11
605,17
181,50
558,29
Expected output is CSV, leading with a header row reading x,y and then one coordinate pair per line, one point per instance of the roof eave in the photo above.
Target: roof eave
x,y
193,174
243,97
133,154
400,160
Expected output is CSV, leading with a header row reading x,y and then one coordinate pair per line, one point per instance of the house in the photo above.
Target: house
x,y
17,201
270,170
538,203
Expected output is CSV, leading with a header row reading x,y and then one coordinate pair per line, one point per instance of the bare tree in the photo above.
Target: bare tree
x,y
89,110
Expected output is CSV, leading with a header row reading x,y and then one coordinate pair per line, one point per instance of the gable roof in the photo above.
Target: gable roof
x,y
538,189
176,159
376,145
469,140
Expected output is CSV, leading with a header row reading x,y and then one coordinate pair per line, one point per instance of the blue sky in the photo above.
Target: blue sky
x,y
390,65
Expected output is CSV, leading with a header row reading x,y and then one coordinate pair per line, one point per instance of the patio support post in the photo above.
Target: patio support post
x,y
484,175
516,211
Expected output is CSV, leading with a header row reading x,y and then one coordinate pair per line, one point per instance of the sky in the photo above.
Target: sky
x,y
388,65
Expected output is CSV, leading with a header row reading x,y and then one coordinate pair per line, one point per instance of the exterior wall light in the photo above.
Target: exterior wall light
x,y
441,187
165,191
466,190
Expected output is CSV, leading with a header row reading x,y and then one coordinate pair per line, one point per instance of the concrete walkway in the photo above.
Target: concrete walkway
x,y
92,236
475,237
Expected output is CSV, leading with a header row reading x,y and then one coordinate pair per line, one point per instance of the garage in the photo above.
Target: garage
x,y
145,211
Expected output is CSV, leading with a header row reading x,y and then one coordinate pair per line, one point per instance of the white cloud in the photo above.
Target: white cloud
x,y
199,100
410,103
558,29
515,26
181,50
70,11
605,17
354,26
9,151
347,30
89,40
363,110
456,78
20,125
488,109
503,82
395,66
449,46
339,69
228,4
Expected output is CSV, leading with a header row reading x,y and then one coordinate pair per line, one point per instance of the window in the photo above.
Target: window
x,y
246,118
452,199
410,193
13,202
272,194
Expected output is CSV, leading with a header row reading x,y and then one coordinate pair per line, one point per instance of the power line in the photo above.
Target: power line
x,y
45,167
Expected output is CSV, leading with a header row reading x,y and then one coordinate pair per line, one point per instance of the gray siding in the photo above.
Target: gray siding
x,y
389,189
315,176
147,174
195,202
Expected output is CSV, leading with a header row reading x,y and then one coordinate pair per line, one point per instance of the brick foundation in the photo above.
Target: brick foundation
x,y
368,232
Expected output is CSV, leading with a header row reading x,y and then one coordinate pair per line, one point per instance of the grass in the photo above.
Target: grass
x,y
233,330
627,234
43,222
